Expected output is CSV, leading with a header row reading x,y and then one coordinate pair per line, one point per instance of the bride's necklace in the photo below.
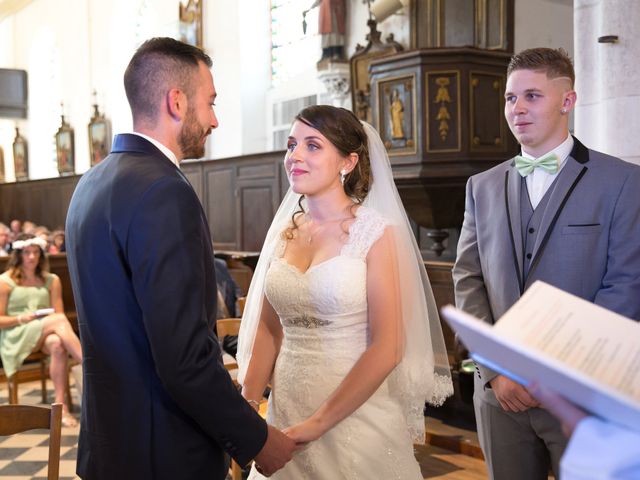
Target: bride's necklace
x,y
316,226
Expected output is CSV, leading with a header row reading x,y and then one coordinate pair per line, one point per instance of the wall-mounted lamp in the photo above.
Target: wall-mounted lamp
x,y
382,9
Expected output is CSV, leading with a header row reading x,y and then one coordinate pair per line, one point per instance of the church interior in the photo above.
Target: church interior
x,y
429,75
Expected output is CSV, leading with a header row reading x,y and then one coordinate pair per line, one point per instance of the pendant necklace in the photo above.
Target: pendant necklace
x,y
315,226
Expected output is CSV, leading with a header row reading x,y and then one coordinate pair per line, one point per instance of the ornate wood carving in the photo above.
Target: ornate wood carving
x,y
459,129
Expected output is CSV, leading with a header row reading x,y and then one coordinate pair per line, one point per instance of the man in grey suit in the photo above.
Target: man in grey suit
x,y
559,212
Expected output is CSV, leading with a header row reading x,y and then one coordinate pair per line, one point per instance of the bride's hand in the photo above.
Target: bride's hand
x,y
304,432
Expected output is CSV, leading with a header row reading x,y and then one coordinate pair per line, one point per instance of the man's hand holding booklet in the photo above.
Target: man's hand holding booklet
x,y
586,353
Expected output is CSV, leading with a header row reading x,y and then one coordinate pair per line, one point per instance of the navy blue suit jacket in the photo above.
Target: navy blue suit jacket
x,y
158,403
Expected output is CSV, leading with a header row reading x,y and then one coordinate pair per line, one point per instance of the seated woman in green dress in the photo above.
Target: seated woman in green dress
x,y
25,288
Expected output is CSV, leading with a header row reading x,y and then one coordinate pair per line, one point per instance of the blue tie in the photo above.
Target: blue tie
x,y
526,165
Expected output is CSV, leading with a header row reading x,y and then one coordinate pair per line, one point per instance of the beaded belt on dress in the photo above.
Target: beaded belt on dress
x,y
306,321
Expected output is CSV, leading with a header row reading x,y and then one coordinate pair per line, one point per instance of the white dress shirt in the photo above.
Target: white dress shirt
x,y
539,181
167,152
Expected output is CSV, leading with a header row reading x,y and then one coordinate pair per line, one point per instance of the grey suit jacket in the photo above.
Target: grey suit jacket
x,y
588,243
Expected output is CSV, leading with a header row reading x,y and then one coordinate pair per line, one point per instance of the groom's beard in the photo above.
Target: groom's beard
x,y
192,137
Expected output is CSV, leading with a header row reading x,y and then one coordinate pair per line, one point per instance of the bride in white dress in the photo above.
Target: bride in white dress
x,y
340,317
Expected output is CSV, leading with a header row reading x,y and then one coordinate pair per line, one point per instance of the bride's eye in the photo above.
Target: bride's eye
x,y
291,146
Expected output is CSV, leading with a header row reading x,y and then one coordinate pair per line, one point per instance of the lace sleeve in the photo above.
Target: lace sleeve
x,y
367,228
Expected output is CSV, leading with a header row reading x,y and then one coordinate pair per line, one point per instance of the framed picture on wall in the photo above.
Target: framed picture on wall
x,y
191,22
65,148
20,157
1,165
99,137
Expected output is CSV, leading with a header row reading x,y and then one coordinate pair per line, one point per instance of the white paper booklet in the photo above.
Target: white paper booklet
x,y
582,351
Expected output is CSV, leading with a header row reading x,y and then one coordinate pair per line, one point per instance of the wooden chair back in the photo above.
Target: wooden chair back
x,y
20,418
231,326
224,327
242,301
227,326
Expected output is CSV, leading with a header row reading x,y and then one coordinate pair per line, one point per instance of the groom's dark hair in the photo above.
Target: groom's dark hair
x,y
158,65
554,62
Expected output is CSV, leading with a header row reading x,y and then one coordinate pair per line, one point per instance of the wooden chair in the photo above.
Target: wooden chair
x,y
242,301
24,375
20,418
21,376
224,327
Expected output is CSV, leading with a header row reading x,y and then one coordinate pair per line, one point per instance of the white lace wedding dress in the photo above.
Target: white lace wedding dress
x,y
323,312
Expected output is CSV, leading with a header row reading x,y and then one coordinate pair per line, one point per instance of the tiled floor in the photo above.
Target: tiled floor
x,y
24,456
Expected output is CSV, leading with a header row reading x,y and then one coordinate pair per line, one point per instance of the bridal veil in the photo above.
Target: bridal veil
x,y
423,375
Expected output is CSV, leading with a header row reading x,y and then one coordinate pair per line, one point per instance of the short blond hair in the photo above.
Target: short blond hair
x,y
555,63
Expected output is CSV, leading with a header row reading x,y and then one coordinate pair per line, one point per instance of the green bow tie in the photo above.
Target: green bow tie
x,y
526,165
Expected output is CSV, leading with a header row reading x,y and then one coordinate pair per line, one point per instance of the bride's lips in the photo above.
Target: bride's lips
x,y
297,171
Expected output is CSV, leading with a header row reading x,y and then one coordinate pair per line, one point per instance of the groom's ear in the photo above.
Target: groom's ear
x,y
176,103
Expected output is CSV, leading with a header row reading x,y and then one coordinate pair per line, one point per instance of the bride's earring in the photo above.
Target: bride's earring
x,y
343,175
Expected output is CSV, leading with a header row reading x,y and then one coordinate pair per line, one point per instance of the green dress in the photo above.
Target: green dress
x,y
17,342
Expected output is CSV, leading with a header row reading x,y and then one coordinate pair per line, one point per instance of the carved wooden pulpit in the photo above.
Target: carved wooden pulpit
x,y
440,115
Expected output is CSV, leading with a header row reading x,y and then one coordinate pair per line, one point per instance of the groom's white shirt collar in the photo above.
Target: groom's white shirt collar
x,y
167,152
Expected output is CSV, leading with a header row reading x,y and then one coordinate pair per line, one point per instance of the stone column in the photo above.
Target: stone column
x,y
608,76
335,78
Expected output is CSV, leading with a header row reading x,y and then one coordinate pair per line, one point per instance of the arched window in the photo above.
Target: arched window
x,y
293,51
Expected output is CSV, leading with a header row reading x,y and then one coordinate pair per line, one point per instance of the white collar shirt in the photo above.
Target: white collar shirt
x,y
167,152
539,181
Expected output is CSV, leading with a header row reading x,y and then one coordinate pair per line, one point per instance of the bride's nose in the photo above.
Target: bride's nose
x,y
294,157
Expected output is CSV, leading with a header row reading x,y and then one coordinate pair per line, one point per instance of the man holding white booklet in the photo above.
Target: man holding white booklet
x,y
618,448
551,341
559,212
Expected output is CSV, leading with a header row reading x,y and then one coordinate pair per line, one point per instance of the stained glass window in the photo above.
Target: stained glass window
x,y
293,50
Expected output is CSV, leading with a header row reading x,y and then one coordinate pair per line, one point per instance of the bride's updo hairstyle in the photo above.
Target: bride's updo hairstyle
x,y
343,129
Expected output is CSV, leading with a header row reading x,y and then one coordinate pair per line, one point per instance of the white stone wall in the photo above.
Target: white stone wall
x,y
608,76
71,47
543,23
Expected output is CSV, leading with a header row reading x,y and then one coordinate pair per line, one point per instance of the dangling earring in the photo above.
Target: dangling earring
x,y
343,175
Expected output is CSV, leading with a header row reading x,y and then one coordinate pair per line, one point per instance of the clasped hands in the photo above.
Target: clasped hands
x,y
281,445
513,397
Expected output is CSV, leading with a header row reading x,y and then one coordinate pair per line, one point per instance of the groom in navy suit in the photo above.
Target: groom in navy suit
x,y
158,403
560,213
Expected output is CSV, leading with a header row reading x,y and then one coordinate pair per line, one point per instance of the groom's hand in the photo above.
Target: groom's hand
x,y
276,452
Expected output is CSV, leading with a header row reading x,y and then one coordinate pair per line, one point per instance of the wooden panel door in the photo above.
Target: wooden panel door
x,y
220,205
